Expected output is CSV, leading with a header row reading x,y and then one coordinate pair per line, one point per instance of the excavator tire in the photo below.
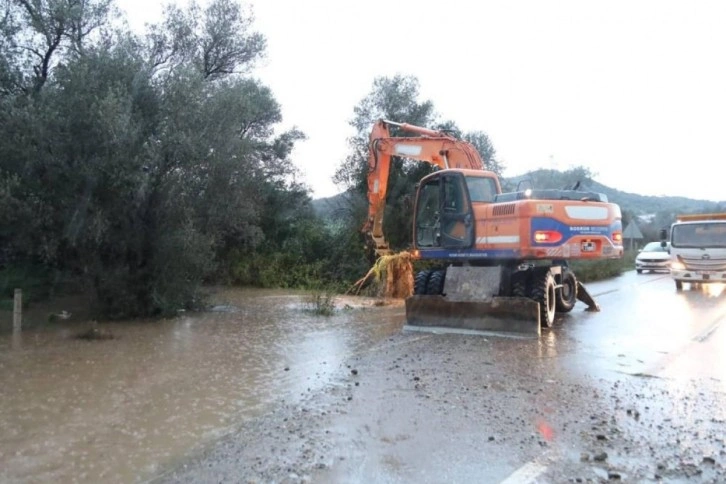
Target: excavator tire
x,y
543,291
420,282
435,285
566,296
520,282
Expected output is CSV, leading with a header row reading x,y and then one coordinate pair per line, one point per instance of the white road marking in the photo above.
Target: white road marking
x,y
526,474
706,333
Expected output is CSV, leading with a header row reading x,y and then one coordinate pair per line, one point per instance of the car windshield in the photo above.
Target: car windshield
x,y
654,247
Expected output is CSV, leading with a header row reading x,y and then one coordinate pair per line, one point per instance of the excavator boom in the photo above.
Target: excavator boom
x,y
430,146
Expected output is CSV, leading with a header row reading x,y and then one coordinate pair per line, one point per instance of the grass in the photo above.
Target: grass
x,y
321,302
391,276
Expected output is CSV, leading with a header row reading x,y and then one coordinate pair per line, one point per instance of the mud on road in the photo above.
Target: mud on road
x,y
451,408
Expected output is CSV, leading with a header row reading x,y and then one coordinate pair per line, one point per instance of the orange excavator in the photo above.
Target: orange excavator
x,y
503,256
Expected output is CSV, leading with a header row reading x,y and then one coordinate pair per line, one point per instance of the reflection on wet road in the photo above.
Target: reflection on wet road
x,y
632,393
645,325
117,410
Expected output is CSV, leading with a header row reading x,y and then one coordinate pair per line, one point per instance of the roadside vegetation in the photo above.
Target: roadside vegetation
x,y
321,302
589,271
138,168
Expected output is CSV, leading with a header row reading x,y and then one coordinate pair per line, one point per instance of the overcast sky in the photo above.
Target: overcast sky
x,y
633,90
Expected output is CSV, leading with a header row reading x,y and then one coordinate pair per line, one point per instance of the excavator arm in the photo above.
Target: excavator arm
x,y
430,146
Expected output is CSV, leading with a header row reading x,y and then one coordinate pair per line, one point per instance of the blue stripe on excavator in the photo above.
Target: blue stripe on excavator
x,y
468,254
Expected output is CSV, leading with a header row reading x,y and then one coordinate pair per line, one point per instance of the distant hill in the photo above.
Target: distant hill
x,y
338,205
633,202
639,205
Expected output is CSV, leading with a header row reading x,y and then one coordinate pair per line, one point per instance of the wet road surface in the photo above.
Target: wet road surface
x,y
120,410
262,391
604,396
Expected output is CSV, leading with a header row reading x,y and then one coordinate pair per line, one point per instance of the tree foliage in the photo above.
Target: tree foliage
x,y
216,41
37,33
140,165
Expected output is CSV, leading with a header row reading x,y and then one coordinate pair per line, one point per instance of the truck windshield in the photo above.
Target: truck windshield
x,y
699,235
481,189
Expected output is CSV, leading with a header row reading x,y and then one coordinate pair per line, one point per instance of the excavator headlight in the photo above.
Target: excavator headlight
x,y
547,236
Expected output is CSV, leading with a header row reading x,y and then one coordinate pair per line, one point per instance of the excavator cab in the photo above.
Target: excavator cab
x,y
443,214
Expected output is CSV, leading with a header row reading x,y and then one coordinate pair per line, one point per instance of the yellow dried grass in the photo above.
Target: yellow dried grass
x,y
392,274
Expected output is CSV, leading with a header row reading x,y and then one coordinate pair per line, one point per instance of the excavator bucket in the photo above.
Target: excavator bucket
x,y
510,315
471,305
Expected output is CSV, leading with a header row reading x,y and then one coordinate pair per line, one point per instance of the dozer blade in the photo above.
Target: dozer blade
x,y
509,315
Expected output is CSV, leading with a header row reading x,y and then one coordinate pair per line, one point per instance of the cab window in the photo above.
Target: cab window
x,y
453,196
481,189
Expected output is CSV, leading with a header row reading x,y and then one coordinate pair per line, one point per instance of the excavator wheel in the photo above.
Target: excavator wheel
x,y
566,297
520,282
420,283
543,291
435,285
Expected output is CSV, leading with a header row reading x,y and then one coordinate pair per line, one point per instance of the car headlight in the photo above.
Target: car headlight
x,y
677,265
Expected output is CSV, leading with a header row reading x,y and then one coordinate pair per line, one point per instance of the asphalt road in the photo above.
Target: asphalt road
x,y
633,393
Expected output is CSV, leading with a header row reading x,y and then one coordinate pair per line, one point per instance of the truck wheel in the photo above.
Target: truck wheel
x,y
567,295
543,291
421,281
639,271
435,285
679,285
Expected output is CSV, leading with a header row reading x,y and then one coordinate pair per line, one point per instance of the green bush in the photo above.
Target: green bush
x,y
321,302
170,281
597,270
35,280
276,270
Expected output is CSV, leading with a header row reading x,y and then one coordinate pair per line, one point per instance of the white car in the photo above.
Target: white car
x,y
653,257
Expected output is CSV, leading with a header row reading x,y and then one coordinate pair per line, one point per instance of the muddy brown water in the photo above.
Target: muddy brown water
x,y
123,409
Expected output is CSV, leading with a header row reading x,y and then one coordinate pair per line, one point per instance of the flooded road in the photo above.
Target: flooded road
x,y
630,393
119,410
262,390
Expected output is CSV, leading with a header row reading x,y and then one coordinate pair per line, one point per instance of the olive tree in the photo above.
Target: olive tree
x,y
137,164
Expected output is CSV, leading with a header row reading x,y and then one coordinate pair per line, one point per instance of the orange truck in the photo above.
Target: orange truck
x,y
503,256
